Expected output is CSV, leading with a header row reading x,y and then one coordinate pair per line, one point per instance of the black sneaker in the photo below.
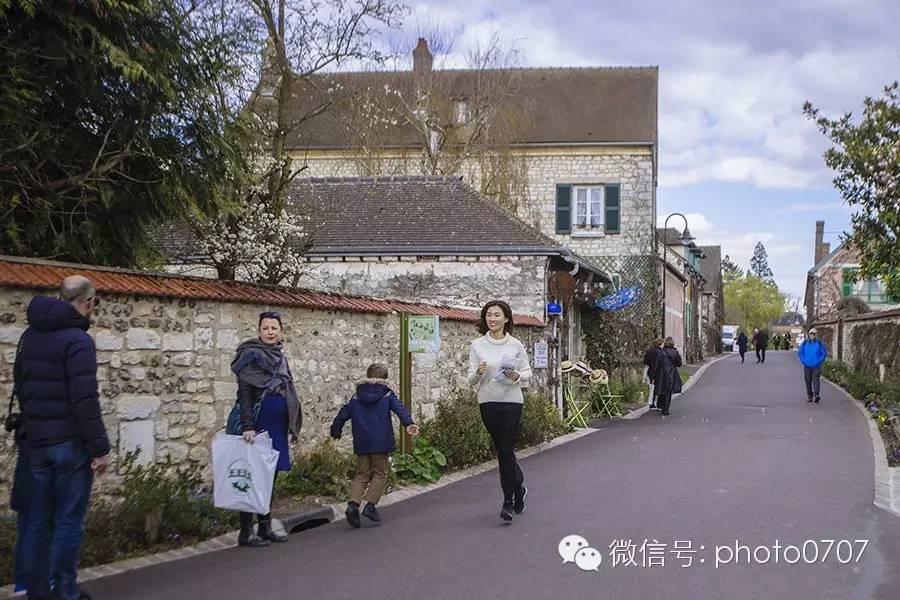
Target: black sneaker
x,y
506,512
817,399
519,500
371,513
353,514
810,399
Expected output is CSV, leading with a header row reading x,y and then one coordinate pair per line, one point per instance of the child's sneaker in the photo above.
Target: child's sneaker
x,y
371,513
353,514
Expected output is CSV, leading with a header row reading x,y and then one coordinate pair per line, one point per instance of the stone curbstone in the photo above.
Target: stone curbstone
x,y
886,490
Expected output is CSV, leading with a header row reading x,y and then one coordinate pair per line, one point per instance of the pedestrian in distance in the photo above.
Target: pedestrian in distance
x,y
760,343
369,412
812,354
268,401
498,369
742,345
776,341
668,379
64,437
651,357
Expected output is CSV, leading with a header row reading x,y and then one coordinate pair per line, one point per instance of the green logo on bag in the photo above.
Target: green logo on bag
x,y
239,475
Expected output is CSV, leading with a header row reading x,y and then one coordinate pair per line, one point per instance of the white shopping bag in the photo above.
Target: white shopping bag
x,y
243,473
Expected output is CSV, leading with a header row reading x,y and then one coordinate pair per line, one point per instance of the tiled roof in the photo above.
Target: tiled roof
x,y
555,106
711,266
397,213
34,274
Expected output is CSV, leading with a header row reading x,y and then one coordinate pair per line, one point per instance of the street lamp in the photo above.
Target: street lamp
x,y
683,238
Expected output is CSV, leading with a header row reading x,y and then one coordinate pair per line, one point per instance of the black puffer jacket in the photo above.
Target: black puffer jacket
x,y
58,386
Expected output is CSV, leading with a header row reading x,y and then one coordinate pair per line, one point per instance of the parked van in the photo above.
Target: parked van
x,y
729,337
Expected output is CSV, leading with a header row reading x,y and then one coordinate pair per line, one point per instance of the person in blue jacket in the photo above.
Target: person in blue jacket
x,y
812,353
369,411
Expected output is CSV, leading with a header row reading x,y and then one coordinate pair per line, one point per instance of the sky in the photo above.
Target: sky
x,y
737,155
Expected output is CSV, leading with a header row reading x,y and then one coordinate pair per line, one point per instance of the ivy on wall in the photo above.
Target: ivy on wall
x,y
616,341
874,344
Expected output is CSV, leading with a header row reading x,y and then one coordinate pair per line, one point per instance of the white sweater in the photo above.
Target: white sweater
x,y
487,349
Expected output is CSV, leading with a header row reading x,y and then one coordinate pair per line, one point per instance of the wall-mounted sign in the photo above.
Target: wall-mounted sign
x,y
541,355
424,334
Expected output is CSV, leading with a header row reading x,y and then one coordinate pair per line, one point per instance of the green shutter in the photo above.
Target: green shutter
x,y
563,209
612,208
847,287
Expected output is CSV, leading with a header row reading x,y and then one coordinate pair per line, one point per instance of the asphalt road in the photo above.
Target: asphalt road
x,y
743,459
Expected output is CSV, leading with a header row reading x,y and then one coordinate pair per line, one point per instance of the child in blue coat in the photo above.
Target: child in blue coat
x,y
369,411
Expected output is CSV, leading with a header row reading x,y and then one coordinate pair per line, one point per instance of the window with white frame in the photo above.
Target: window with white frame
x,y
589,201
460,112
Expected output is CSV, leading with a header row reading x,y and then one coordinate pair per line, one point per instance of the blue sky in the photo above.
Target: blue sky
x,y
736,153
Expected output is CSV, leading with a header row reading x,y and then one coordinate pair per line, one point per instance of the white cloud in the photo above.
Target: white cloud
x,y
811,207
697,223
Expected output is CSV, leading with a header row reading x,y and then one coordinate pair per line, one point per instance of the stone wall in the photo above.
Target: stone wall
x,y
164,367
462,281
631,168
869,343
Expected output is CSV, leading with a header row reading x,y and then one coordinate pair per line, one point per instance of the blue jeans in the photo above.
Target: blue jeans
x,y
61,487
20,500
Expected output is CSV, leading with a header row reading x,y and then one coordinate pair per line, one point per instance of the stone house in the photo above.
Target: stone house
x,y
832,279
580,160
712,300
165,344
685,284
433,238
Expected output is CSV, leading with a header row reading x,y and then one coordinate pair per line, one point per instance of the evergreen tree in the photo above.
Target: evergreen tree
x,y
730,270
759,264
107,125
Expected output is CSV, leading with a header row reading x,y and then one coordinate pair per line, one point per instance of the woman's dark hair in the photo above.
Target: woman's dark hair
x,y
508,327
670,343
269,314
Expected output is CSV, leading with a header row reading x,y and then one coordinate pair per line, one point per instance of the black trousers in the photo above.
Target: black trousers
x,y
663,401
811,376
761,354
502,421
742,351
248,517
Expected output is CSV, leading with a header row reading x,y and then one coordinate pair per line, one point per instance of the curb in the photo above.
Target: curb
x,y
329,512
687,386
887,479
222,542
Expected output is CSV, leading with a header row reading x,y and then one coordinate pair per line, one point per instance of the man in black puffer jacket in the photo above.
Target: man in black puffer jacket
x,y
64,432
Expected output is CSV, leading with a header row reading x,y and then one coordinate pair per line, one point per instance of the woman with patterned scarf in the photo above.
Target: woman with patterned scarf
x,y
268,402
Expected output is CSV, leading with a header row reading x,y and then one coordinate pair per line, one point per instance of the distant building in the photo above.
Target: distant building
x,y
832,279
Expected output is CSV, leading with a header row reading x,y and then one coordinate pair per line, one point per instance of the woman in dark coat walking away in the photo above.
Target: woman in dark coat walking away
x,y
268,402
668,380
651,358
742,344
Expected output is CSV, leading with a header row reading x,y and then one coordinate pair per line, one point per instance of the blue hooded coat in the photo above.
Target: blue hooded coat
x,y
369,412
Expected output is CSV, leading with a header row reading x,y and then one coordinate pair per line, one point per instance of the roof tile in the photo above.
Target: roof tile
x,y
33,274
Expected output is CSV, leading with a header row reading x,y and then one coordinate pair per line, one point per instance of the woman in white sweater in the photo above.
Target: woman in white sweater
x,y
498,369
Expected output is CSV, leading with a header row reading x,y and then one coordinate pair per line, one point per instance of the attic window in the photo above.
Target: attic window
x,y
460,112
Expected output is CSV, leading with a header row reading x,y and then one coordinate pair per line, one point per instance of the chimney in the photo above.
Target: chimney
x,y
820,251
422,58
